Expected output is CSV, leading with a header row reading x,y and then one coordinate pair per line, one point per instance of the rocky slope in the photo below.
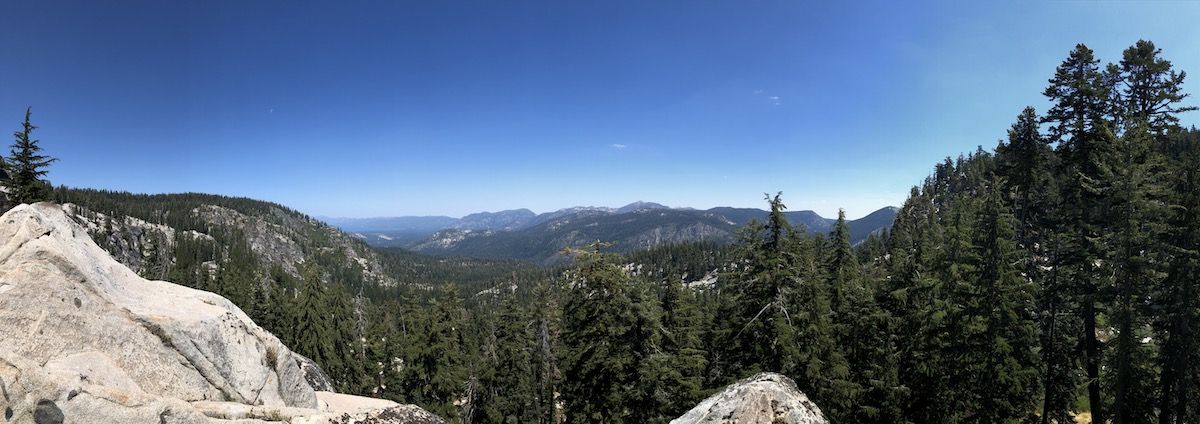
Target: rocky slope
x,y
142,231
766,398
86,340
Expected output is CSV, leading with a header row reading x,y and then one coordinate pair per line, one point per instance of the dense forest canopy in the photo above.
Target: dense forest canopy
x,y
1050,280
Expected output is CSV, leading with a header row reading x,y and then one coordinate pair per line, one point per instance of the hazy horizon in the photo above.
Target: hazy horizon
x,y
790,209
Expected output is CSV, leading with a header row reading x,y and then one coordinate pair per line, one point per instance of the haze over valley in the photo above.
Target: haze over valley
x,y
522,234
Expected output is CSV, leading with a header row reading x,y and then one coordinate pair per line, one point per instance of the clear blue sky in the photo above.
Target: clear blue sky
x,y
385,108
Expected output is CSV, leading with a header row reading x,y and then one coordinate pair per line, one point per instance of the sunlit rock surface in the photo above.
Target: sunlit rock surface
x,y
766,398
83,339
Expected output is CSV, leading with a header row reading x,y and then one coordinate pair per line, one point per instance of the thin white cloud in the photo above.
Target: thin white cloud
x,y
771,98
619,146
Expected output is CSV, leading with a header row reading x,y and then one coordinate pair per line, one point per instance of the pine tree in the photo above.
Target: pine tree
x,y
508,384
761,333
381,352
1027,164
26,165
347,363
600,355
843,268
1000,342
914,302
682,323
954,316
1151,88
311,329
861,329
777,315
1080,123
547,322
1133,253
437,375
1178,324
655,382
266,309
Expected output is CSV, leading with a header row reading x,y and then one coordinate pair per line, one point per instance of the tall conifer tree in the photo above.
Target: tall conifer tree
x,y
1151,89
508,384
601,355
26,165
1000,341
1177,326
1080,124
1133,252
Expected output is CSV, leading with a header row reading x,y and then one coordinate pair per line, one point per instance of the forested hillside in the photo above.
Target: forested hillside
x,y
1055,275
627,229
319,290
1051,279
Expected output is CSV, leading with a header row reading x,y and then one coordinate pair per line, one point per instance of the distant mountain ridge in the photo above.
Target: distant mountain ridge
x,y
522,234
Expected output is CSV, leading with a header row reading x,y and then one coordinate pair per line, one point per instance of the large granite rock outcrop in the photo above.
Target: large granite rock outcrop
x,y
83,339
765,398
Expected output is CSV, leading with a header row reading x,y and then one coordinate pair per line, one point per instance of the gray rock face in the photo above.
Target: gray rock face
x,y
142,246
274,236
276,239
85,339
313,374
766,398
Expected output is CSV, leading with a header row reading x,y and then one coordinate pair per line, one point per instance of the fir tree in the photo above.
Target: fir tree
x,y
914,302
508,383
600,353
547,322
26,166
266,308
843,267
1133,253
1151,88
311,329
651,394
872,394
999,344
437,376
1080,123
1027,164
1178,323
682,323
777,315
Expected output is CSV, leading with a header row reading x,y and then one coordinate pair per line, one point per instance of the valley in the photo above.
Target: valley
x,y
491,317
178,242
538,238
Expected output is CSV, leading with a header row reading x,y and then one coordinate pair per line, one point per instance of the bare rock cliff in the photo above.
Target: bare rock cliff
x,y
83,339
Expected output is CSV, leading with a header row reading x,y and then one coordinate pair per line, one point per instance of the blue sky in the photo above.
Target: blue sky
x,y
449,107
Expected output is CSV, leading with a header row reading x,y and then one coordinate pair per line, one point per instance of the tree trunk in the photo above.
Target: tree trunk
x,y
1092,351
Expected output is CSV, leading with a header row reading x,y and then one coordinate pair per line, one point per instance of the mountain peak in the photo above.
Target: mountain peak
x,y
640,206
506,220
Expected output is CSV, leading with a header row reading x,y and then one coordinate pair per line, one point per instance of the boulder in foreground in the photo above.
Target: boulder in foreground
x,y
86,340
765,398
